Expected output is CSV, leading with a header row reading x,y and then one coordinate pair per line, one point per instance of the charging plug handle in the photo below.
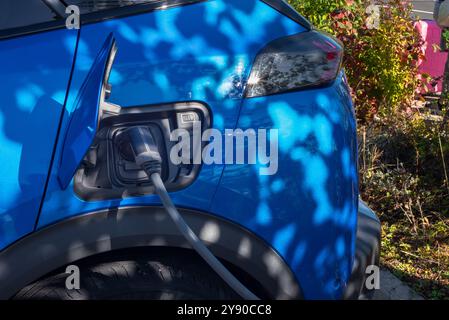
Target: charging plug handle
x,y
138,144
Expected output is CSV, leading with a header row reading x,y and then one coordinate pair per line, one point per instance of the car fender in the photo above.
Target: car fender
x,y
90,234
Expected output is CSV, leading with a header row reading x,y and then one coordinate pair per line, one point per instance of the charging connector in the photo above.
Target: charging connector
x,y
137,144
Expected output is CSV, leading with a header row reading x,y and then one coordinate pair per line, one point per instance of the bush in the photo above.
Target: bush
x,y
404,169
404,179
382,62
404,156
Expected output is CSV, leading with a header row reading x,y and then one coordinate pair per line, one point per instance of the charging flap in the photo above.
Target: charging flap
x,y
85,118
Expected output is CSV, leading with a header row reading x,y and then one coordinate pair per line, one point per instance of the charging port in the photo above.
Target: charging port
x,y
106,173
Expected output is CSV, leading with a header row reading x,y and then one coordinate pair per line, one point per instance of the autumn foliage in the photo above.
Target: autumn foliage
x,y
381,62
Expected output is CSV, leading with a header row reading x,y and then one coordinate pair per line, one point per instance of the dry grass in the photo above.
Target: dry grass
x,y
404,178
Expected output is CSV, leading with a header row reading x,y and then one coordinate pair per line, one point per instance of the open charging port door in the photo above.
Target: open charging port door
x,y
90,154
89,108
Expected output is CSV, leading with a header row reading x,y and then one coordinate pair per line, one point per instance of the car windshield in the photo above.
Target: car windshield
x,y
22,13
87,6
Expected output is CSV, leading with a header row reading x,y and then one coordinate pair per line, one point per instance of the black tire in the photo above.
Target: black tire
x,y
167,275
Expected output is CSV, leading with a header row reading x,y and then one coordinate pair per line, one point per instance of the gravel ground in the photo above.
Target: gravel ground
x,y
391,288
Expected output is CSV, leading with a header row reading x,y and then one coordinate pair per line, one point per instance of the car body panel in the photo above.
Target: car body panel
x,y
203,52
308,209
34,76
162,58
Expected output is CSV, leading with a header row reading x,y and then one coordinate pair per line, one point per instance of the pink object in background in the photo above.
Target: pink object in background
x,y
435,61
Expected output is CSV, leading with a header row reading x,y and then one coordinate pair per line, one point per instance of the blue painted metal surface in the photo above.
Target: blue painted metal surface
x,y
163,57
84,121
307,211
34,74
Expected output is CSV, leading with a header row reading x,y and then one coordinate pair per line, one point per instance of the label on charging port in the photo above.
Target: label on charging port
x,y
186,119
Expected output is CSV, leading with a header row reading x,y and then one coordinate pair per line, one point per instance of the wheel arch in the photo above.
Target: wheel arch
x,y
100,232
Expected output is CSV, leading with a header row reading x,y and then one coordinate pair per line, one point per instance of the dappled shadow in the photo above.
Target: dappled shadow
x,y
308,210
34,76
204,52
197,52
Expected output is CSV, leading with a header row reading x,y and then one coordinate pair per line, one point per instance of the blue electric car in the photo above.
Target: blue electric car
x,y
76,101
